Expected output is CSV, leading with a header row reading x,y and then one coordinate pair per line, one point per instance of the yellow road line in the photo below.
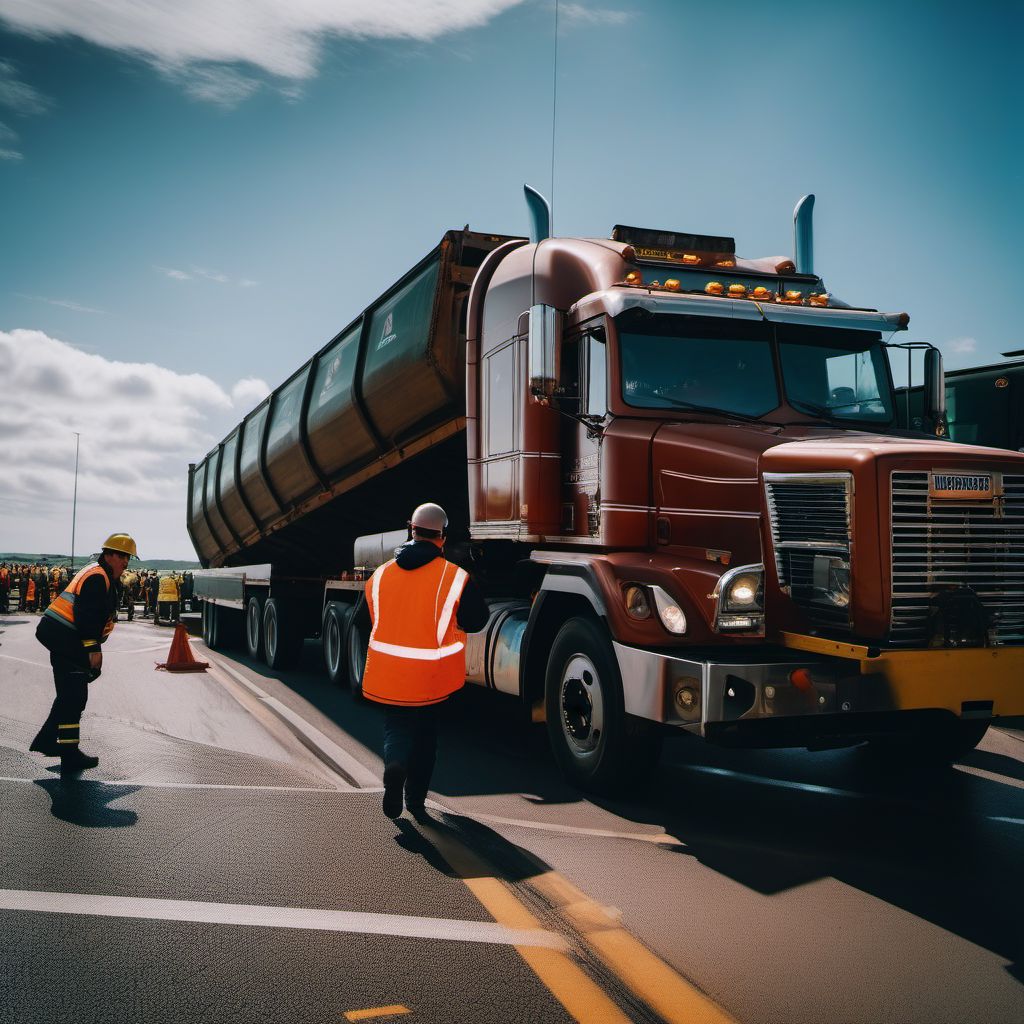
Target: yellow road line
x,y
582,998
646,975
379,1011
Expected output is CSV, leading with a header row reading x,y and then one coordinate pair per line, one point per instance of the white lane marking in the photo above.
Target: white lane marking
x,y
25,661
149,784
355,770
1008,821
358,922
661,838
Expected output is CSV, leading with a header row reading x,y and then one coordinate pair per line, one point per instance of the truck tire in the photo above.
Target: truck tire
x,y
335,628
282,641
357,643
597,746
254,628
210,623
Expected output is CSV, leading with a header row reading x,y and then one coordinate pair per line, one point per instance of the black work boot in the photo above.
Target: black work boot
x,y
73,761
47,750
394,783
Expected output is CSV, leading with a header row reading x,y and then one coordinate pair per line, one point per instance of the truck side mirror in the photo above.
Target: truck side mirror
x,y
544,351
934,388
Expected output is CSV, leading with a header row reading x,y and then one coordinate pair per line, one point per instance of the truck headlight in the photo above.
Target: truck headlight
x,y
671,615
637,597
739,600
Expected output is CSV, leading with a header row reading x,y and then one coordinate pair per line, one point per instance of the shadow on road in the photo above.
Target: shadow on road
x,y
80,802
941,844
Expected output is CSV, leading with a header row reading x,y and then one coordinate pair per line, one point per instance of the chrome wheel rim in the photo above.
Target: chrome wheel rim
x,y
581,705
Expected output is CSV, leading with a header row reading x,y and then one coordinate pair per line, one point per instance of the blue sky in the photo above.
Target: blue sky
x,y
215,188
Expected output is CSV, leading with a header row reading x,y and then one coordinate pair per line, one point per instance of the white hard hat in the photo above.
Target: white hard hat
x,y
429,517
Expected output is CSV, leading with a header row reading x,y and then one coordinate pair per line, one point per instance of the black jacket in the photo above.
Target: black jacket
x,y
472,613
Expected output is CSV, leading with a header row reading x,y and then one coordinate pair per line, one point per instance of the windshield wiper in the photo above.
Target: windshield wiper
x,y
813,408
679,403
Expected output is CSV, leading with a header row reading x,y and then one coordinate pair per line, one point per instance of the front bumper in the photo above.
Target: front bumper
x,y
810,686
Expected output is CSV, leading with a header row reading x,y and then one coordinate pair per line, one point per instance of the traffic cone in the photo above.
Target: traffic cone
x,y
180,657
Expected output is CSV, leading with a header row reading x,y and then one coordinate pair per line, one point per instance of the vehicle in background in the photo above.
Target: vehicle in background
x,y
678,476
984,404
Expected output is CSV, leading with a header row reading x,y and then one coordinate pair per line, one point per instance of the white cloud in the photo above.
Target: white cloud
x,y
177,275
76,307
963,345
224,86
15,94
140,425
211,275
248,393
282,39
8,138
208,275
577,14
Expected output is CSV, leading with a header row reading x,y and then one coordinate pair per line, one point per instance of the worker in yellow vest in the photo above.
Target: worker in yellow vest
x,y
73,629
421,606
168,599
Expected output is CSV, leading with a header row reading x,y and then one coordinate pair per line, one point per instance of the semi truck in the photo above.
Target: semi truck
x,y
676,473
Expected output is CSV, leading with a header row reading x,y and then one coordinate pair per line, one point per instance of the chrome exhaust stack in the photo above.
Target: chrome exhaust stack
x,y
803,235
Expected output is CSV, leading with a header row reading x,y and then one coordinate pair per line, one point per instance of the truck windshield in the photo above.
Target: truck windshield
x,y
729,366
680,362
839,375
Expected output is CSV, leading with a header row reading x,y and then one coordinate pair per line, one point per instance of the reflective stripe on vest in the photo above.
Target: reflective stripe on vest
x,y
62,607
415,654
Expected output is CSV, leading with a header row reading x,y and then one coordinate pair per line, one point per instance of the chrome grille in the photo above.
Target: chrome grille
x,y
809,515
975,544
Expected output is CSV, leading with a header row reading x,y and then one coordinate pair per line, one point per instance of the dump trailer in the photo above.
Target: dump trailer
x,y
679,478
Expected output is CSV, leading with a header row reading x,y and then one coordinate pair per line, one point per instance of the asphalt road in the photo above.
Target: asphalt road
x,y
762,886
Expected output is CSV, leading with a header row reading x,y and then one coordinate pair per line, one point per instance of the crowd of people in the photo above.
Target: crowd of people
x,y
31,588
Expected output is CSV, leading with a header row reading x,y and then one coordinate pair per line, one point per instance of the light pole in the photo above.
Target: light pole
x,y
74,504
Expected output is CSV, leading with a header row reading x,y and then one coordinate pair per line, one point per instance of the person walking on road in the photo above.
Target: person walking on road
x,y
73,629
421,606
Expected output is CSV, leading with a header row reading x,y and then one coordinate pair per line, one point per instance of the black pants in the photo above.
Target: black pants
x,y
410,739
59,734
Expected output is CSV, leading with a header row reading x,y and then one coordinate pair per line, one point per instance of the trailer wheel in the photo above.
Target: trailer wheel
x,y
357,643
210,631
336,616
597,746
254,628
282,641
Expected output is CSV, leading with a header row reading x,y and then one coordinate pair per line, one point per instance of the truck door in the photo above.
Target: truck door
x,y
584,396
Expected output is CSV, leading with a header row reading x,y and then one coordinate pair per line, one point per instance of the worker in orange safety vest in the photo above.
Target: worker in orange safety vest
x,y
421,606
72,629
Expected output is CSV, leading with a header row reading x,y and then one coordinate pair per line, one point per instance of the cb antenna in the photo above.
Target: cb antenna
x,y
554,108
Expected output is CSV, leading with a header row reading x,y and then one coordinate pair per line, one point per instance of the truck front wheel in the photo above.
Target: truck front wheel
x,y
596,745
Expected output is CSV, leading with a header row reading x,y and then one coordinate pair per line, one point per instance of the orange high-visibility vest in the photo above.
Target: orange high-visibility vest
x,y
417,651
62,607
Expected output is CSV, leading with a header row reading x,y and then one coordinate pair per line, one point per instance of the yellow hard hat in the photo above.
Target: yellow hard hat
x,y
120,542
